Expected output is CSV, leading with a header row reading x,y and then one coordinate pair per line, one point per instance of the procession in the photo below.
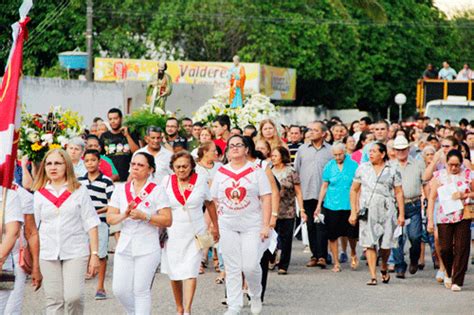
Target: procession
x,y
181,187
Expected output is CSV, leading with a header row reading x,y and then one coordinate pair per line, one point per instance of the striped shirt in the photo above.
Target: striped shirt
x,y
100,190
293,148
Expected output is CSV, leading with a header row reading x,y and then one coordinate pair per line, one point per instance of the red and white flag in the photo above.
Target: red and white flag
x,y
10,102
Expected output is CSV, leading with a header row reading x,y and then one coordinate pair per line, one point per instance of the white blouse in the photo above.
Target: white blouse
x,y
143,237
238,196
12,213
64,231
193,205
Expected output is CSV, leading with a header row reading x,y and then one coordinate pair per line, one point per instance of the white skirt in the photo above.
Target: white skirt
x,y
181,258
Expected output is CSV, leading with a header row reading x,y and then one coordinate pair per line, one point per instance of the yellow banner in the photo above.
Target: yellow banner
x,y
278,83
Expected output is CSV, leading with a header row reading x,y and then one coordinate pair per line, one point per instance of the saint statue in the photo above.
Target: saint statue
x,y
237,81
160,89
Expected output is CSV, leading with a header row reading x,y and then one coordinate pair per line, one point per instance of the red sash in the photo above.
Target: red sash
x,y
187,192
235,176
144,193
57,201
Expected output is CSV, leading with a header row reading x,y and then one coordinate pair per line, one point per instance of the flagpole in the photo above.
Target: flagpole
x,y
2,212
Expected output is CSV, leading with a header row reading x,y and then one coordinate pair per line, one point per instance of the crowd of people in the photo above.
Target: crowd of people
x,y
177,198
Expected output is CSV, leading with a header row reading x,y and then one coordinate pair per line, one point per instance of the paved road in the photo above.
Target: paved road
x,y
305,291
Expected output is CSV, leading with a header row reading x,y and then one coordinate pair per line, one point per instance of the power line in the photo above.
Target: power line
x,y
286,20
42,31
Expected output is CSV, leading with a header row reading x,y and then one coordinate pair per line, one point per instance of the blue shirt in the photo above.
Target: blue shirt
x,y
340,181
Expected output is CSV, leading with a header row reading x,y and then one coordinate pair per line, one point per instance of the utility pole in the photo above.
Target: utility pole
x,y
90,63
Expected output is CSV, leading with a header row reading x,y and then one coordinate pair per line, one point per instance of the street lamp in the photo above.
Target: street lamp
x,y
400,100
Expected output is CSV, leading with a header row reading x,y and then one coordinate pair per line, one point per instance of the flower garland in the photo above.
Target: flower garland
x,y
256,107
41,133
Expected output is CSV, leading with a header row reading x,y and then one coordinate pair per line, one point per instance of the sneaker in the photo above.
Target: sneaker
x,y
455,288
448,283
343,258
439,276
100,295
256,306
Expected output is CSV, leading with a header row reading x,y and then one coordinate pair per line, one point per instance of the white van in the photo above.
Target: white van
x,y
453,108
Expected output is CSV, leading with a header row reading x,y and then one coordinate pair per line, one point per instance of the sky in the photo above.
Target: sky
x,y
453,6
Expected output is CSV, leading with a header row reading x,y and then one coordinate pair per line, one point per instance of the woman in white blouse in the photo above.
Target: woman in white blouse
x,y
13,220
143,208
242,192
68,233
187,192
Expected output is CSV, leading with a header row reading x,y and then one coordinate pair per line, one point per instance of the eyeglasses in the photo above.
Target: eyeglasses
x,y
49,164
137,164
181,166
446,146
238,146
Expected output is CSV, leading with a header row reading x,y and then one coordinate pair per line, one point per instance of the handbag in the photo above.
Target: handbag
x,y
468,212
364,212
25,260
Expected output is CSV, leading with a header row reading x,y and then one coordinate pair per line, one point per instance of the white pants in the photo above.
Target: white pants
x,y
241,253
63,284
15,300
132,280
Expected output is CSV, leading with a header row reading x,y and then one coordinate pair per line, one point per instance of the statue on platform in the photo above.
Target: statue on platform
x,y
237,81
158,90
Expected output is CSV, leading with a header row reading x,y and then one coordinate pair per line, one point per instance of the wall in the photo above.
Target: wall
x,y
94,99
302,115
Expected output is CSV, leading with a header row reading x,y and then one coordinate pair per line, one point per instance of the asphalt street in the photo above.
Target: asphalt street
x,y
303,291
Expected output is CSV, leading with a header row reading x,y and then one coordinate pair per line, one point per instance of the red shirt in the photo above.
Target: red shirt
x,y
221,143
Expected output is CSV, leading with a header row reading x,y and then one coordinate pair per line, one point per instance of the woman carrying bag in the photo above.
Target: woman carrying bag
x,y
187,237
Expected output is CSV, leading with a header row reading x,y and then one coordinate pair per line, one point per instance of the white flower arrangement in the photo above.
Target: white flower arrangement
x,y
256,108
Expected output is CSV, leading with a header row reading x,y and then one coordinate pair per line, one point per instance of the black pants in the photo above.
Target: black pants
x,y
317,235
267,256
284,228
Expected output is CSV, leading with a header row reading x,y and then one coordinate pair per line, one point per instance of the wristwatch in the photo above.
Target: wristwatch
x,y
95,253
274,213
147,218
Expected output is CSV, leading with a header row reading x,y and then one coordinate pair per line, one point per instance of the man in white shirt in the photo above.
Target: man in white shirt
x,y
153,138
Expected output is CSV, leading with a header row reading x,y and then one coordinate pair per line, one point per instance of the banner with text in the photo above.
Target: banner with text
x,y
281,81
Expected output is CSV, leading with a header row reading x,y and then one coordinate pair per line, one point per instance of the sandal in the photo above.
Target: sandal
x,y
216,266
336,268
219,280
201,268
372,281
385,276
354,262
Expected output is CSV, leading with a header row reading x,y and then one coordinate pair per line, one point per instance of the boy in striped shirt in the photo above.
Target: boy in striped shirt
x,y
100,189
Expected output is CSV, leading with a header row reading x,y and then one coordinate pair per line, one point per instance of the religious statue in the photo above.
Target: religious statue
x,y
158,90
237,81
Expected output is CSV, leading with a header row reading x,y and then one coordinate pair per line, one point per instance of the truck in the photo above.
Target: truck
x,y
445,99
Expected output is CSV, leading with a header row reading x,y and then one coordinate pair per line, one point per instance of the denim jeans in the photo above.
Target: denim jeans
x,y
413,232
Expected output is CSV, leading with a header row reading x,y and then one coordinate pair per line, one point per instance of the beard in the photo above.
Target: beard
x,y
161,74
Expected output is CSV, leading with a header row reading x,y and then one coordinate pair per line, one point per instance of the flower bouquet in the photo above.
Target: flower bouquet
x,y
143,118
256,107
41,133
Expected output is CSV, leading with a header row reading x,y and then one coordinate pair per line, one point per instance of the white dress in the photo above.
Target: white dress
x,y
181,258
